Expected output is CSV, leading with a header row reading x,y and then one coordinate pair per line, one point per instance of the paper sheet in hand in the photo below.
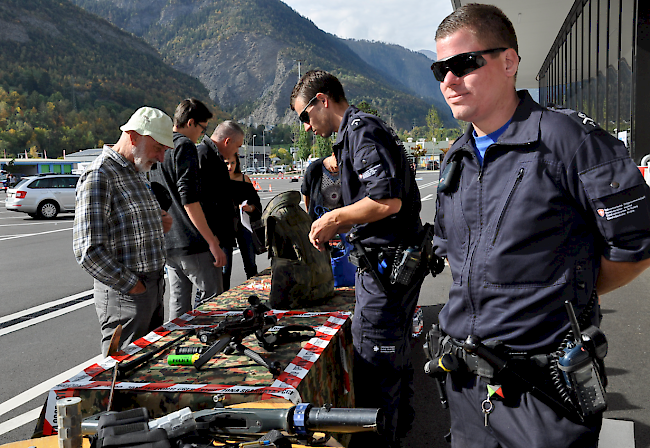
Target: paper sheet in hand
x,y
245,217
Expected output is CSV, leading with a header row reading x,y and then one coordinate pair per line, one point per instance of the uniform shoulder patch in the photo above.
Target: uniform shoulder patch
x,y
584,120
355,123
587,123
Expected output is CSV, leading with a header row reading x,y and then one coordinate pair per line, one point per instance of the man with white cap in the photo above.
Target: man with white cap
x,y
119,225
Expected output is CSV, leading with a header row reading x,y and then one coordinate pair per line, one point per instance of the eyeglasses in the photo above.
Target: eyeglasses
x,y
204,128
304,115
461,64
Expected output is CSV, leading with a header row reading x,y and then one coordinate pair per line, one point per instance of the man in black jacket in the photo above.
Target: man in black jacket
x,y
215,182
194,255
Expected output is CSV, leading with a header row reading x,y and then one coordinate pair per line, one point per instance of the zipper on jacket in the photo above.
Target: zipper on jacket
x,y
520,175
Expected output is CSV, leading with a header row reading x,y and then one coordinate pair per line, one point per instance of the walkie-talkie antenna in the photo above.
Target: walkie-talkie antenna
x,y
574,322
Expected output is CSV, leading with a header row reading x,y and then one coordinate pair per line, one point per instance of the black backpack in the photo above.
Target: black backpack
x,y
301,275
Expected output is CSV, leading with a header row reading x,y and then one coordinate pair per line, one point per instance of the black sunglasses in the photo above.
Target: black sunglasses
x,y
304,115
461,64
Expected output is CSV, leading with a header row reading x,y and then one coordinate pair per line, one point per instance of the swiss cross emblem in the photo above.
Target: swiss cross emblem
x,y
601,212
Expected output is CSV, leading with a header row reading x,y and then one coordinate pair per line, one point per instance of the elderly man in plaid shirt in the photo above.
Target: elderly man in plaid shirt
x,y
119,226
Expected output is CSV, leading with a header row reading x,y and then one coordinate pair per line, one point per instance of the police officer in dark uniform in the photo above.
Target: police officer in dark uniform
x,y
536,207
382,207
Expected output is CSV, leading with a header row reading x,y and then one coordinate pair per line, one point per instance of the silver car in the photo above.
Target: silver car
x,y
43,196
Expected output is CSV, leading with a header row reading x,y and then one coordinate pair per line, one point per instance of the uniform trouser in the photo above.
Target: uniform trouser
x,y
383,373
522,422
139,314
186,271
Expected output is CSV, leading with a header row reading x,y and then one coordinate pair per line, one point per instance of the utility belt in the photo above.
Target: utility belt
x,y
570,380
375,256
401,264
440,344
478,366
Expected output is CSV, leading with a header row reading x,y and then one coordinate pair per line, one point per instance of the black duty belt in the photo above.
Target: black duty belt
x,y
479,366
374,254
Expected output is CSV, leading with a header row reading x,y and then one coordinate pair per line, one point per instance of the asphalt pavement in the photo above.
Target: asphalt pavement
x,y
37,268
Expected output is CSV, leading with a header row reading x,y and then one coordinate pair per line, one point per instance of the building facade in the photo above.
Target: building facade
x,y
592,56
598,64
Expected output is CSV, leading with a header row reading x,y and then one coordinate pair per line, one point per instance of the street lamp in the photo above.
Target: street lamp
x,y
264,147
254,160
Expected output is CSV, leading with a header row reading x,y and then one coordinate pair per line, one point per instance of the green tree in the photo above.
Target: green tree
x,y
418,132
323,147
367,108
303,143
283,155
435,128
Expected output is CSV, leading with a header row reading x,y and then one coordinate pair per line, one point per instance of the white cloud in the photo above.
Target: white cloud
x,y
409,23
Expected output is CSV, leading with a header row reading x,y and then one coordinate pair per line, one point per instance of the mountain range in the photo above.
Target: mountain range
x,y
72,73
69,79
246,53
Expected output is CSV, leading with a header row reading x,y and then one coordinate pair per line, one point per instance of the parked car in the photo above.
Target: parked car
x,y
250,170
262,170
43,196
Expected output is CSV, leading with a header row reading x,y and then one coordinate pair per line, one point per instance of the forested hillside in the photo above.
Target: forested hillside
x,y
69,79
246,53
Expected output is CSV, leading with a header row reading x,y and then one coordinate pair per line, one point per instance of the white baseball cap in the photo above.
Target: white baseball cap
x,y
152,122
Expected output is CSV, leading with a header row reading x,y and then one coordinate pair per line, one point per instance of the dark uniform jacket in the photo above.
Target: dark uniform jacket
x,y
372,162
526,230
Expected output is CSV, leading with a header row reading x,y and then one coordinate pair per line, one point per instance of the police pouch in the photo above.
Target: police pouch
x,y
416,260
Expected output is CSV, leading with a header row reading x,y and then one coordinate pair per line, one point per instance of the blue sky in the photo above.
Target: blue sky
x,y
409,23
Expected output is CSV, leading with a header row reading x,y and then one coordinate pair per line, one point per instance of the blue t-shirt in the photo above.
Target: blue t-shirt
x,y
481,143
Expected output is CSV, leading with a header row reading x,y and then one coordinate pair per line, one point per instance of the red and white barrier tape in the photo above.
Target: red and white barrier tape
x,y
284,386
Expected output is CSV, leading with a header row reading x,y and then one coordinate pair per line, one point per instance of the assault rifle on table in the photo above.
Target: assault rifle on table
x,y
301,421
227,336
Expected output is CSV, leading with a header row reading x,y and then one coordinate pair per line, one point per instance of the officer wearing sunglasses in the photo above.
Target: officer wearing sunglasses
x,y
528,218
382,205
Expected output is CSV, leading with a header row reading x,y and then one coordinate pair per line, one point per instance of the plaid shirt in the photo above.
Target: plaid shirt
x,y
118,230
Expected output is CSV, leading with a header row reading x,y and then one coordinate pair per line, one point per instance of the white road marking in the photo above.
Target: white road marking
x,y
33,223
44,306
32,234
43,318
21,420
430,184
35,392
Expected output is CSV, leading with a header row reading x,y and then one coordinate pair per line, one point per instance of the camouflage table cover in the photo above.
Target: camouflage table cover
x,y
315,371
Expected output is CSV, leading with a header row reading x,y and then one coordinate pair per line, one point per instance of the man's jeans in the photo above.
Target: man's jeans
x,y
186,271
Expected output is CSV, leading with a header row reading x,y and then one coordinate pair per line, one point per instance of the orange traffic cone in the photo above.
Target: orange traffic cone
x,y
270,189
257,186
